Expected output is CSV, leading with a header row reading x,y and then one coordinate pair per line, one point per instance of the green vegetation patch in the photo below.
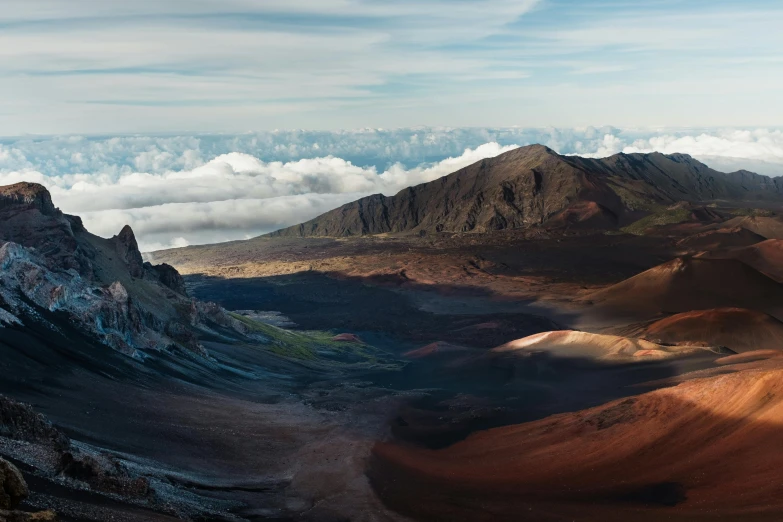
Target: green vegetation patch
x,y
752,212
631,199
662,217
305,345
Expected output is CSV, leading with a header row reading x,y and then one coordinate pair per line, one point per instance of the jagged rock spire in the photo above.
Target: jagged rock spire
x,y
128,249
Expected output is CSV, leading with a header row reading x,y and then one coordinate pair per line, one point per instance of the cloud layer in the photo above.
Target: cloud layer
x,y
180,190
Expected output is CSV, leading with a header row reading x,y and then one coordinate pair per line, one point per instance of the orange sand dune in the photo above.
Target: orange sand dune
x,y
686,284
771,227
707,449
750,357
766,257
739,329
583,344
721,238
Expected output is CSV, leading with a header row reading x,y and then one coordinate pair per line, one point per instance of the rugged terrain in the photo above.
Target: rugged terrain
x,y
536,186
166,407
573,352
608,350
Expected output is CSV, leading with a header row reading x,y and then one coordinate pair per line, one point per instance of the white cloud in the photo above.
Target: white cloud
x,y
232,196
759,150
208,188
761,144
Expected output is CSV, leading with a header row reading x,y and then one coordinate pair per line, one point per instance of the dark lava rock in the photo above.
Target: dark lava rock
x,y
168,276
534,185
29,218
128,249
105,474
20,422
24,196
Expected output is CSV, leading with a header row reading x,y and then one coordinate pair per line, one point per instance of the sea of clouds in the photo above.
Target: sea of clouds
x,y
181,190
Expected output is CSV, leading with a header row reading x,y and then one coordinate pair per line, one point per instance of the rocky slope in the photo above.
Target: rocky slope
x,y
51,263
533,185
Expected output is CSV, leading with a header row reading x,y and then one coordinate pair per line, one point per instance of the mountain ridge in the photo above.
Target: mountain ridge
x,y
52,265
535,186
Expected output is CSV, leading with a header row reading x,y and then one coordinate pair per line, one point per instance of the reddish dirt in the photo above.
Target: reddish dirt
x,y
739,329
766,257
771,227
681,453
436,348
686,284
721,238
347,338
582,344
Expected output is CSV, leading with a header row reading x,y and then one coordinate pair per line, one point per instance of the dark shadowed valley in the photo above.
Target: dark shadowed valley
x,y
534,337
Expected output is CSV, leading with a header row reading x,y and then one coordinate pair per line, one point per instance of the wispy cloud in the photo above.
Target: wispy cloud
x,y
235,65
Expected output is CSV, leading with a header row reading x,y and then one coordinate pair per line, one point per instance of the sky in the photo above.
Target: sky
x,y
173,66
200,121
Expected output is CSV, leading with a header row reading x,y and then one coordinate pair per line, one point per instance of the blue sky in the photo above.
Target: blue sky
x,y
163,114
158,66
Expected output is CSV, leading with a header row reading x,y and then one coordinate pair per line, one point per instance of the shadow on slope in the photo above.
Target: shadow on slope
x,y
686,284
705,450
316,301
552,372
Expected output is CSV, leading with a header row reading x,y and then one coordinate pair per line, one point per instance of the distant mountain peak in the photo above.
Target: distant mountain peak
x,y
536,186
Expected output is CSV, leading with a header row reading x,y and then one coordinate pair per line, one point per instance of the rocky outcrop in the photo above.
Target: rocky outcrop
x,y
108,313
54,455
13,491
24,196
29,218
104,473
13,488
23,516
49,263
168,276
533,186
128,250
20,422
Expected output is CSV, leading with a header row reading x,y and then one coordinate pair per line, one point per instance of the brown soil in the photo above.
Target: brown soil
x,y
766,257
738,329
681,453
687,284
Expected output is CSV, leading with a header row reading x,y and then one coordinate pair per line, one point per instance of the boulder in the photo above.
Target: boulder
x,y
13,488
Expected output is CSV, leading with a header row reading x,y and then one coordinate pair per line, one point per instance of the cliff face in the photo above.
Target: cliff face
x,y
29,218
535,186
50,264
